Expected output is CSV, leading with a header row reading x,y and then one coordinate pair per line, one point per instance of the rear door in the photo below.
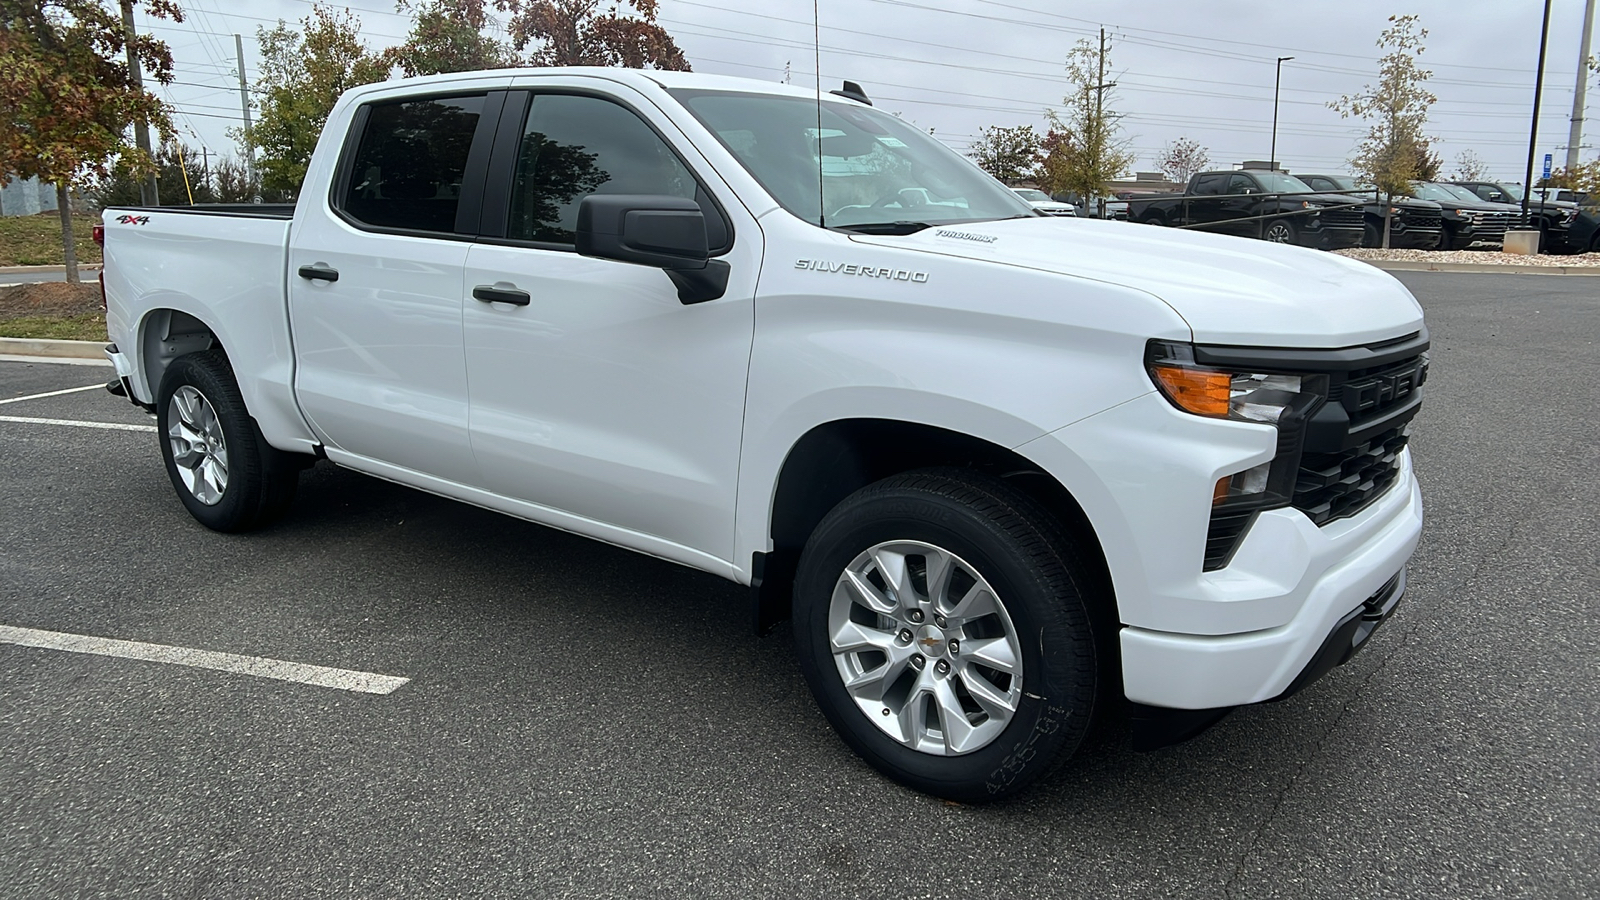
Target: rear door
x,y
381,370
602,397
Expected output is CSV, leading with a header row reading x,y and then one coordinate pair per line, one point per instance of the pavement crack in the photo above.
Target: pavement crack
x,y
1492,548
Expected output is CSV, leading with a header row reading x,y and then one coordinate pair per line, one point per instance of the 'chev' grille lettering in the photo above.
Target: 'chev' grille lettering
x,y
1371,394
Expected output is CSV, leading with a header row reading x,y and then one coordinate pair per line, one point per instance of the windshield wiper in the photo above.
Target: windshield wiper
x,y
886,227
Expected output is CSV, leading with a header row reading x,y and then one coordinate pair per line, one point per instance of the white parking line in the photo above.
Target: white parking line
x,y
260,667
58,360
114,426
87,387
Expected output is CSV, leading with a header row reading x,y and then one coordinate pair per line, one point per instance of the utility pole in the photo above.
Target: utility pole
x,y
1277,84
244,106
1578,94
149,192
1533,133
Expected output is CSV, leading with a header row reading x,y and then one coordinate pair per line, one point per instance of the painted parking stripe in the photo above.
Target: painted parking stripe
x,y
114,426
58,360
87,387
260,667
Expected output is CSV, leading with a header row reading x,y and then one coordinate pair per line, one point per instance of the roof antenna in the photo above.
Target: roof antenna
x,y
816,46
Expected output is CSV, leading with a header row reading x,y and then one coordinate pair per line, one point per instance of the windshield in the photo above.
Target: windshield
x,y
1037,196
875,170
1436,192
1277,181
1460,193
1514,190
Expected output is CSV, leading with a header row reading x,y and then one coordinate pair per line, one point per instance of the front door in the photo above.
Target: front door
x,y
604,396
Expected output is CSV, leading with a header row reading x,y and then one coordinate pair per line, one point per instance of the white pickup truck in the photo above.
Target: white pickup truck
x,y
1005,472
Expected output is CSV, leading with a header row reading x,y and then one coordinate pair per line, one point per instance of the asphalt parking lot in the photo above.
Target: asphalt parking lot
x,y
580,721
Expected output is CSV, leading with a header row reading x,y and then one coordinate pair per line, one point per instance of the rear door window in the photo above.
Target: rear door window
x,y
409,165
1210,184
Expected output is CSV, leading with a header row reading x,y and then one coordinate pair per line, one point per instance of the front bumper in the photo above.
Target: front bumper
x,y
1189,671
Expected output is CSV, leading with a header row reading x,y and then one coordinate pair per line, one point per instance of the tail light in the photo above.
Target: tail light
x,y
99,232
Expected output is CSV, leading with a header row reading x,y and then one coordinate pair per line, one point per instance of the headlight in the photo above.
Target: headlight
x,y
1282,400
1244,396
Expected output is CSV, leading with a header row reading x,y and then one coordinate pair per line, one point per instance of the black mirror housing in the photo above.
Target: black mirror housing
x,y
647,229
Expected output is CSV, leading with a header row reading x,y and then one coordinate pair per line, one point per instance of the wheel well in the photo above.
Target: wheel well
x,y
166,335
835,459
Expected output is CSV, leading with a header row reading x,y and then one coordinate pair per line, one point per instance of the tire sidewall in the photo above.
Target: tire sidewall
x,y
1290,236
200,372
1058,685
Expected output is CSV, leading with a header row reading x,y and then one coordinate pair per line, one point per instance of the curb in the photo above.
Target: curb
x,y
1395,265
47,270
95,350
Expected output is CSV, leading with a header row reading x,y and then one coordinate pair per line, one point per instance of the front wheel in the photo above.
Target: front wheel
x,y
945,629
226,475
1279,232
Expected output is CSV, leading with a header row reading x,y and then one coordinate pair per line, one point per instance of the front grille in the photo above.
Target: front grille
x,y
1344,217
1494,223
1369,393
1332,486
1423,221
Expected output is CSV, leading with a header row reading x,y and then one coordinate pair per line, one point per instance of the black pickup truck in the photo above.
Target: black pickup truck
x,y
1552,218
1258,203
1468,219
1414,224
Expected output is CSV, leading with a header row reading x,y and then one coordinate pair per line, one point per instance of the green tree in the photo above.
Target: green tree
x,y
1087,150
576,33
1395,151
67,95
178,172
1009,154
449,36
303,72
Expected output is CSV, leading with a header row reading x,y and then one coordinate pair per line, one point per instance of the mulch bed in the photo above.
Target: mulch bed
x,y
52,298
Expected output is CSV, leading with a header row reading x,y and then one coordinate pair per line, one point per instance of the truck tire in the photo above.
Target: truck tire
x,y
1447,238
944,625
227,476
1371,235
1280,231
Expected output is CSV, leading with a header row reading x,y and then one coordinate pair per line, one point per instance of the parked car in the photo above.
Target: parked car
x,y
1467,220
1041,201
1257,203
1413,223
1005,474
1551,218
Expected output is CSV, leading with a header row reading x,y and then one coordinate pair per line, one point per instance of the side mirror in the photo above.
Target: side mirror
x,y
661,231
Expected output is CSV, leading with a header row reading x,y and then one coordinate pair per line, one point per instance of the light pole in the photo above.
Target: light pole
x,y
1277,86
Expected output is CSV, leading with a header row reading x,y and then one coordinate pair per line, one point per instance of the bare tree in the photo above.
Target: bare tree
x,y
1009,154
1181,159
1470,167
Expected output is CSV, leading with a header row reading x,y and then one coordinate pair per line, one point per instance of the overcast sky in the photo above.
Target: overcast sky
x,y
1183,69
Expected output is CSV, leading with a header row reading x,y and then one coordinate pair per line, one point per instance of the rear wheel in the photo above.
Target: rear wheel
x,y
226,475
943,625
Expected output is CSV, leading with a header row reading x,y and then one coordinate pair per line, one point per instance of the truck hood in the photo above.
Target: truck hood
x,y
1229,290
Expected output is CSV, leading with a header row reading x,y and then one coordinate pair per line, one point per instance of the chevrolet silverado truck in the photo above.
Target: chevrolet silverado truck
x,y
1415,223
1467,220
1261,204
1004,473
1552,218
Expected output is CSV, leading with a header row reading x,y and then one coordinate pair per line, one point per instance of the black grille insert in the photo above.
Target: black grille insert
x,y
1332,486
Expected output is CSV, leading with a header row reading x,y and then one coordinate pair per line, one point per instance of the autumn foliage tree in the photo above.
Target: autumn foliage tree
x,y
303,72
1182,159
1084,147
1009,154
449,36
578,33
1395,151
67,97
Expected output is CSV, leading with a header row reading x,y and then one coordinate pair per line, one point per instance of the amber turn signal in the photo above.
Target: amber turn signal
x,y
1199,391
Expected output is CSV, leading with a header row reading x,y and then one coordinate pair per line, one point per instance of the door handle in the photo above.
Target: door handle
x,y
488,293
319,273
